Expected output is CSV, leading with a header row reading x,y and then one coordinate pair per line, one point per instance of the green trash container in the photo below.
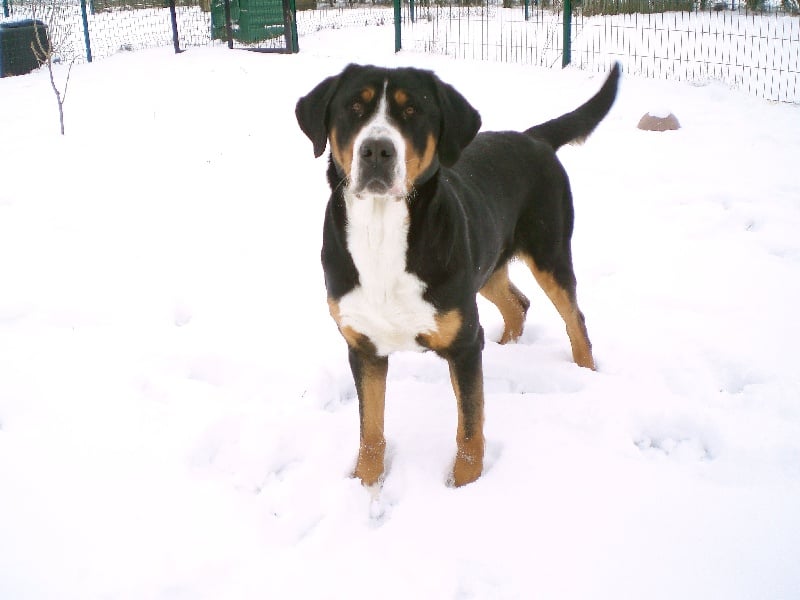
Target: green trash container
x,y
252,21
17,43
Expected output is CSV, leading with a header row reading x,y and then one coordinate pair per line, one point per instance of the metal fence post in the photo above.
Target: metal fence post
x,y
567,57
5,8
87,42
228,23
527,10
295,46
174,17
398,43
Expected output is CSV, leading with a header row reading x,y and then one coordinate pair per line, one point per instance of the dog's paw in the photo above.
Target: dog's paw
x,y
466,469
371,465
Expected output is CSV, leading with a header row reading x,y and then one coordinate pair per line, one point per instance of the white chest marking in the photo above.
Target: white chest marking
x,y
387,306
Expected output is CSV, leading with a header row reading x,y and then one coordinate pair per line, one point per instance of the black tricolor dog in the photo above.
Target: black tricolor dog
x,y
424,214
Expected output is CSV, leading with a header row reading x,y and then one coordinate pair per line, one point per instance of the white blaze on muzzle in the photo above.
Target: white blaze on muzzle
x,y
379,156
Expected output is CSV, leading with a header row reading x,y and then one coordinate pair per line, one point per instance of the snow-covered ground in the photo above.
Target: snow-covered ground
x,y
177,418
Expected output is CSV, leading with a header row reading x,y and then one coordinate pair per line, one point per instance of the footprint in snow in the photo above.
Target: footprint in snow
x,y
380,505
681,448
181,315
333,388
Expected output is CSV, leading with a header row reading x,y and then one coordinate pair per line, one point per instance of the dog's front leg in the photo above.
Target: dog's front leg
x,y
466,373
369,374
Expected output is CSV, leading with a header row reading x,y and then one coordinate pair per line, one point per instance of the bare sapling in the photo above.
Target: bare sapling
x,y
53,45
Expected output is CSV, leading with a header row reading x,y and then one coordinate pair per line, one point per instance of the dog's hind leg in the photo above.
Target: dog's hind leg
x,y
559,285
512,304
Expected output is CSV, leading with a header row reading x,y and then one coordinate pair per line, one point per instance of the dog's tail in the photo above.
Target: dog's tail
x,y
576,126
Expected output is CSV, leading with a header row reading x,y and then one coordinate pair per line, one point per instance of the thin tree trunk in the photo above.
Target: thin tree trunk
x,y
58,94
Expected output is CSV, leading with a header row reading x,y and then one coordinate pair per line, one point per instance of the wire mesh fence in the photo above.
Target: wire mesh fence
x,y
485,31
753,45
754,50
100,28
112,26
314,16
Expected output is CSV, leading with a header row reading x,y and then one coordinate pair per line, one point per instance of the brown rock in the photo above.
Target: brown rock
x,y
651,123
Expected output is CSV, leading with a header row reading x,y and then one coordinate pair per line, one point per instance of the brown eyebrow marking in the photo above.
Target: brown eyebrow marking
x,y
367,94
401,97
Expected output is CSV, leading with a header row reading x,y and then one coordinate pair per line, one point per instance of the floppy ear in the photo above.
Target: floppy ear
x,y
460,123
312,113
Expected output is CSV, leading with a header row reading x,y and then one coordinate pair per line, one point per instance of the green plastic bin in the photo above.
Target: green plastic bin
x,y
17,43
252,21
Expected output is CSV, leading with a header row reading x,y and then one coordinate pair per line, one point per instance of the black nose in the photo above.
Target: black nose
x,y
377,151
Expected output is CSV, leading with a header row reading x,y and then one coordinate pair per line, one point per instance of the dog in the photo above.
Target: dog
x,y
424,214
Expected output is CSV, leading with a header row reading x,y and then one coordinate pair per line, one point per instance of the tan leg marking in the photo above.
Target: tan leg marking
x,y
371,388
447,327
512,303
567,307
370,464
470,442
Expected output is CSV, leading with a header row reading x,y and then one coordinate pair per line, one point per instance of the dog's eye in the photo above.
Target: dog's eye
x,y
358,108
409,111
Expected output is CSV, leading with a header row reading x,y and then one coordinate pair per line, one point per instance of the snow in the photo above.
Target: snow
x,y
177,417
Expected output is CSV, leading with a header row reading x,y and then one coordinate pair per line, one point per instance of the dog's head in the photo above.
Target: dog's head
x,y
389,129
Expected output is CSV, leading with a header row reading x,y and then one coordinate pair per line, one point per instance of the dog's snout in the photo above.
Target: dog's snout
x,y
377,163
378,150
